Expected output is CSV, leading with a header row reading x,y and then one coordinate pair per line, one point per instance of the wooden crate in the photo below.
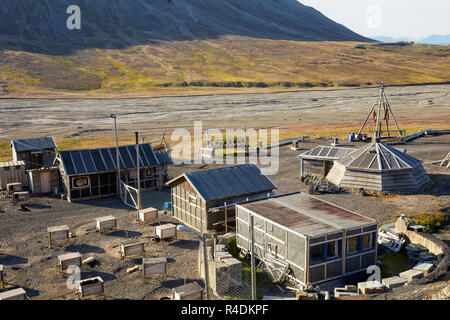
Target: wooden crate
x,y
69,259
89,287
153,266
191,291
132,248
149,214
15,294
106,223
166,231
57,233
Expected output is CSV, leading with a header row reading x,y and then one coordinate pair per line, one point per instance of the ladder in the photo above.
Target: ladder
x,y
446,161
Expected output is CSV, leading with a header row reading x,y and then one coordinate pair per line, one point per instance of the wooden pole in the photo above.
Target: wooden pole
x,y
205,264
252,249
114,116
138,169
226,218
365,121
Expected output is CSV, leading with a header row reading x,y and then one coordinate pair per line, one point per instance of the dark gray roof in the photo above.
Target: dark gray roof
x,y
163,157
379,157
34,144
229,182
88,161
326,153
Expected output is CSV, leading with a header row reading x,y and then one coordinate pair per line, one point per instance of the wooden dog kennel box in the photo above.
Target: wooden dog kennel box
x,y
57,233
191,291
149,214
14,187
166,231
14,294
89,287
132,248
154,266
106,223
69,259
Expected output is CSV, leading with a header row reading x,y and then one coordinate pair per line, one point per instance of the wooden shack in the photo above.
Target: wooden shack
x,y
190,291
319,241
206,200
12,171
92,173
43,180
36,153
14,294
69,259
320,159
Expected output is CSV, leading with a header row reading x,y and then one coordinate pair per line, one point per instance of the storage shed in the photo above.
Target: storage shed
x,y
43,180
319,160
12,171
319,241
205,200
36,153
92,173
380,167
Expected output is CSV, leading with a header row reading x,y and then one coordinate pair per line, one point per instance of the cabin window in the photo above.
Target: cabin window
x,y
367,241
80,182
316,253
6,168
332,249
352,244
148,172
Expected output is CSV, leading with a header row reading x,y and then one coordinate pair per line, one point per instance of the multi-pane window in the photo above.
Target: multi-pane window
x,y
316,253
367,241
352,244
332,249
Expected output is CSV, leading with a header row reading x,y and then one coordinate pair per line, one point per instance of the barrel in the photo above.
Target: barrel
x,y
351,137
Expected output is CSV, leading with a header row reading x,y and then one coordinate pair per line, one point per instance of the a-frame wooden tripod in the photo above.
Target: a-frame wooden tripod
x,y
381,112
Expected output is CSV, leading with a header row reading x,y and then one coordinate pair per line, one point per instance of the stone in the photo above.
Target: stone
x,y
411,275
426,256
370,287
424,267
393,282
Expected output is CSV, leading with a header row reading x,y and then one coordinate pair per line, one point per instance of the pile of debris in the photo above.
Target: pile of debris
x,y
317,185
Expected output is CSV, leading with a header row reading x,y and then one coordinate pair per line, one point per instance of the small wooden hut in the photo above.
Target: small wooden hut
x,y
11,172
206,200
36,153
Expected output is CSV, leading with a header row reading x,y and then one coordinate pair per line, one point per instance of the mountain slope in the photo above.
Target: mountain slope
x,y
41,25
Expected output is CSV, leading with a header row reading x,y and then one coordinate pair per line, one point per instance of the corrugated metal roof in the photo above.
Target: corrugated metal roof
x,y
11,164
228,182
34,144
89,161
307,215
163,157
326,153
379,157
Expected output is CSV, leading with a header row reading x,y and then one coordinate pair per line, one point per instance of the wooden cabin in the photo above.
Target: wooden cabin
x,y
12,172
205,200
43,180
36,153
92,173
319,241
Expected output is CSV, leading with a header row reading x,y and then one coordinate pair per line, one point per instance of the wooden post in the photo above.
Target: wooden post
x,y
205,264
252,249
138,169
114,116
226,218
301,167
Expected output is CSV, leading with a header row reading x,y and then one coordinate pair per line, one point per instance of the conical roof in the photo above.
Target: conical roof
x,y
379,157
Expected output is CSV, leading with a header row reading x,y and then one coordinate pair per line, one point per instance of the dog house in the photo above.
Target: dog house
x,y
154,266
149,214
166,231
14,294
191,291
318,240
69,259
57,233
106,223
132,248
89,287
